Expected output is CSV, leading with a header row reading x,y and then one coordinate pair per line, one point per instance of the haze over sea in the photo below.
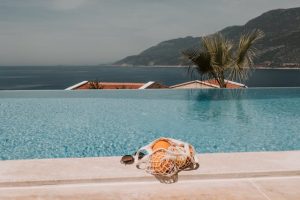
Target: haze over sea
x,y
61,77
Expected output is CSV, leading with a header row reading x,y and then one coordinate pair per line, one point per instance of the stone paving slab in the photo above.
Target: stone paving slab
x,y
279,189
224,189
109,169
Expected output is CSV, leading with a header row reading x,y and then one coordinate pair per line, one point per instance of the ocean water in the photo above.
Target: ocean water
x,y
61,77
59,124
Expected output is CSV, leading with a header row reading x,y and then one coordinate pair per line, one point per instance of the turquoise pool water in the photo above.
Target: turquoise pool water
x,y
57,124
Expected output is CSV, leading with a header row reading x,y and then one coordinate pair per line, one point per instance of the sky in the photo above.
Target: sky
x,y
92,32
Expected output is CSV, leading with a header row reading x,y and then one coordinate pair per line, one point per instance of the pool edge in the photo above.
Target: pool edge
x,y
16,173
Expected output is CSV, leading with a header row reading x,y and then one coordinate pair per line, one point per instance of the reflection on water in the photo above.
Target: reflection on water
x,y
205,108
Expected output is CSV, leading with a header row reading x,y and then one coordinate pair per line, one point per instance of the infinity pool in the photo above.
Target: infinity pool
x,y
57,124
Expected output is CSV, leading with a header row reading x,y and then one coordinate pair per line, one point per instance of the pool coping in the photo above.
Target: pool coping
x,y
26,173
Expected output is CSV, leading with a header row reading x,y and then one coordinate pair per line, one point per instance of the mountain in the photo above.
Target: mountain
x,y
281,43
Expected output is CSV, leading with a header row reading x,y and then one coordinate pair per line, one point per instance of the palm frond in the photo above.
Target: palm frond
x,y
217,60
198,59
245,55
220,50
246,51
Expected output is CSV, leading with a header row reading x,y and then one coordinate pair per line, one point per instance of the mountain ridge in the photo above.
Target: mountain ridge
x,y
280,46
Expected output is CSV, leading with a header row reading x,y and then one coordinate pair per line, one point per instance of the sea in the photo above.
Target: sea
x,y
61,77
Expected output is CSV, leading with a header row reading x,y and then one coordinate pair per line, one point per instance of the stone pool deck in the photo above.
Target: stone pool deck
x,y
225,176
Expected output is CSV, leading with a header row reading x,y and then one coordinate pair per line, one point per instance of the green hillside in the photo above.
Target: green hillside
x,y
281,43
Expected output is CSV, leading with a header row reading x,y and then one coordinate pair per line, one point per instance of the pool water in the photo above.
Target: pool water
x,y
58,124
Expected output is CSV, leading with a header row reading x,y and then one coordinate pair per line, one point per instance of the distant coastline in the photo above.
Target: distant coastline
x,y
41,78
132,66
184,66
281,68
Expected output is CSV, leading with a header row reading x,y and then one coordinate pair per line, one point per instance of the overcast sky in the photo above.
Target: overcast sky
x,y
89,32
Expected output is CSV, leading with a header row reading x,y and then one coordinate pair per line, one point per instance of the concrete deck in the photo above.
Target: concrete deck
x,y
265,175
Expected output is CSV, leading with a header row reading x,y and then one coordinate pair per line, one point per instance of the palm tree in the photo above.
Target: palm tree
x,y
217,59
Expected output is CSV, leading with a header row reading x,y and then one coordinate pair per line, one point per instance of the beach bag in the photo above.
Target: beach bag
x,y
166,157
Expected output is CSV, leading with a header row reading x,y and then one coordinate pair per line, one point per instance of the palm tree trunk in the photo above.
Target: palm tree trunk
x,y
220,78
222,81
